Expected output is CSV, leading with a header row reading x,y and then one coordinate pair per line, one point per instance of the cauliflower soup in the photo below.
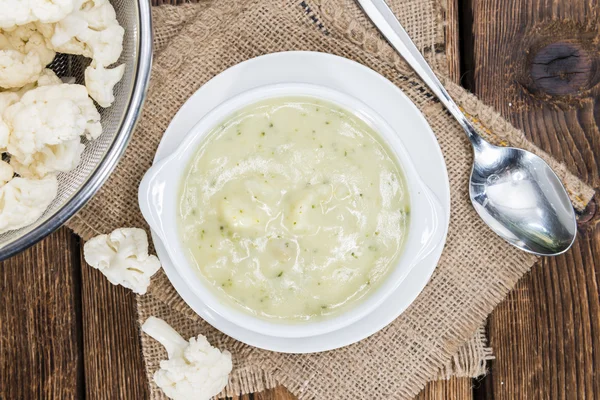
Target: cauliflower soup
x,y
293,209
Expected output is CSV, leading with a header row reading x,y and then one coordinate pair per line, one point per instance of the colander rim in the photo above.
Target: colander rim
x,y
113,154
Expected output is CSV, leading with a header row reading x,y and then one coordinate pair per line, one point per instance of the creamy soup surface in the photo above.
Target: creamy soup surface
x,y
293,209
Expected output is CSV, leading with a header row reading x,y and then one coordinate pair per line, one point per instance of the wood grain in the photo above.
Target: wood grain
x,y
40,344
114,367
452,36
543,54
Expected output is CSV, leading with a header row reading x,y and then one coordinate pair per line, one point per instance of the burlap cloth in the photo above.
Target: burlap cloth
x,y
440,334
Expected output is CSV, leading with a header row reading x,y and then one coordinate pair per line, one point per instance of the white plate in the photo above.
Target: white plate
x,y
355,80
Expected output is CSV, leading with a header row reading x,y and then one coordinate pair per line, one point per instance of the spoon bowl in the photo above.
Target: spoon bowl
x,y
521,199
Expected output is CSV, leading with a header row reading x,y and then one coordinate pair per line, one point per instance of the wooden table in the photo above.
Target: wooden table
x,y
65,332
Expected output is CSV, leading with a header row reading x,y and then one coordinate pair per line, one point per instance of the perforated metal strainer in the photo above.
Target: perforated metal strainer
x,y
101,155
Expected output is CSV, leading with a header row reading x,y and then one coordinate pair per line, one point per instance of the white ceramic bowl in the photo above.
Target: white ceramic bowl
x,y
159,200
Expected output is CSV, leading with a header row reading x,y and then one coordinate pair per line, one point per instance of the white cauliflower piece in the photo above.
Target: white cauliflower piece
x,y
6,99
195,370
23,201
101,81
49,115
23,56
18,69
62,157
27,39
20,12
123,258
6,173
92,31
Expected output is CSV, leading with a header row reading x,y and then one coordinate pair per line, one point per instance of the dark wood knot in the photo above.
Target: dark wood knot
x,y
563,68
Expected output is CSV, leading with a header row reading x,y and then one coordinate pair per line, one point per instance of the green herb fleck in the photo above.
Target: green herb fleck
x,y
270,125
262,133
280,274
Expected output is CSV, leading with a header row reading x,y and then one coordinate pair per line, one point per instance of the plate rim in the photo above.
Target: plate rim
x,y
307,344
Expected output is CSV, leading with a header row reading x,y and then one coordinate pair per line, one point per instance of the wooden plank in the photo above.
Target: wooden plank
x,y
535,61
452,36
455,389
114,367
40,346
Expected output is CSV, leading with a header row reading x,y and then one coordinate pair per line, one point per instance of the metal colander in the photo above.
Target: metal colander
x,y
101,155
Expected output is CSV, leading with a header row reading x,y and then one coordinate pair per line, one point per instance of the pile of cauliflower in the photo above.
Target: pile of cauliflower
x,y
42,118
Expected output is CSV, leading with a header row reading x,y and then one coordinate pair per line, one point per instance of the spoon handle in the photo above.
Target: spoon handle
x,y
389,26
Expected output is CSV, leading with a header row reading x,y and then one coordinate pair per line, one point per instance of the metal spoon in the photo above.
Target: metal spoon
x,y
514,191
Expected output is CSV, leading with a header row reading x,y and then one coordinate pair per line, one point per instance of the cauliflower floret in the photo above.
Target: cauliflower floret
x,y
20,12
23,201
18,69
26,39
63,157
195,370
49,115
6,99
6,172
23,56
123,258
92,31
100,83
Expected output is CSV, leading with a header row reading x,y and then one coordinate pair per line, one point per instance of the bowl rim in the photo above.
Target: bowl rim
x,y
110,160
426,234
